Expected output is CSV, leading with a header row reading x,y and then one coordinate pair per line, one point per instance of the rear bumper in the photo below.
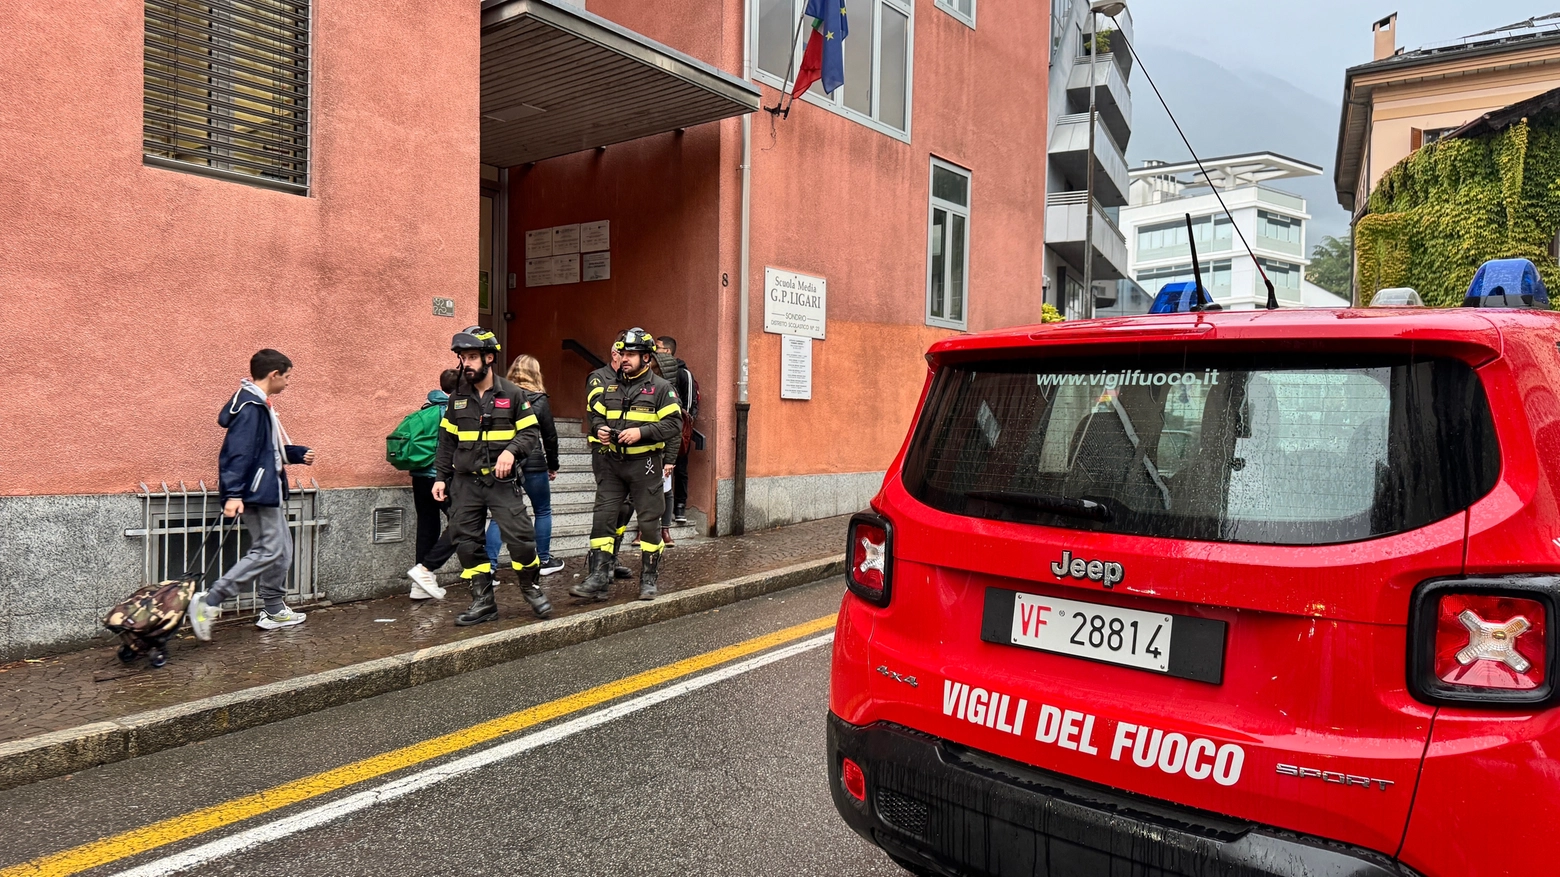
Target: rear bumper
x,y
958,811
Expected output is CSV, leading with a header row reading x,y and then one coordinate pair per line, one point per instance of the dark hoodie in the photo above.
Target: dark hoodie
x,y
247,465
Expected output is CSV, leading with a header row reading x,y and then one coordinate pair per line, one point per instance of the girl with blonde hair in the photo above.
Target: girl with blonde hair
x,y
537,470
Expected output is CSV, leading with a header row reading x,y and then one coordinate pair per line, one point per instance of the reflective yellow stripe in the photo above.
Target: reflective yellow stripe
x,y
623,529
668,411
522,423
520,566
610,414
599,408
492,435
644,449
642,416
603,543
476,570
652,549
597,391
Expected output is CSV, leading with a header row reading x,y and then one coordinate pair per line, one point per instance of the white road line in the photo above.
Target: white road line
x,y
317,816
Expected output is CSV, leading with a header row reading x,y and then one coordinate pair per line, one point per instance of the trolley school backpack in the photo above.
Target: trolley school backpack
x,y
147,618
415,441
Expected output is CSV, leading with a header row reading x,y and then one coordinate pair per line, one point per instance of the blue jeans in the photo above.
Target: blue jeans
x,y
538,488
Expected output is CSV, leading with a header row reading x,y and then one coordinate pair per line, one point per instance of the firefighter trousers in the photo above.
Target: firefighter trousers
x,y
472,498
632,477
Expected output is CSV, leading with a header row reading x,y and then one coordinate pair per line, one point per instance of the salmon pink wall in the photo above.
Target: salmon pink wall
x,y
836,199
134,295
831,197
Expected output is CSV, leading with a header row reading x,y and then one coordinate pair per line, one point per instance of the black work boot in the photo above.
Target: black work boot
x,y
598,584
619,571
531,589
648,573
483,607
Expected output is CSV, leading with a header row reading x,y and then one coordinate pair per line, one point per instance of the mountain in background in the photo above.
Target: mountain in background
x,y
1227,112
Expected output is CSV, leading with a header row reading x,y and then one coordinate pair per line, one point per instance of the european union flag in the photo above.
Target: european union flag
x,y
825,55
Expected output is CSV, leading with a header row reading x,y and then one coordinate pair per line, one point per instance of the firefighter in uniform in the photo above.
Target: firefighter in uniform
x,y
633,414
596,383
487,428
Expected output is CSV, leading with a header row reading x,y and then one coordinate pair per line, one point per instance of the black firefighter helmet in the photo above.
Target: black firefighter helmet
x,y
636,340
474,338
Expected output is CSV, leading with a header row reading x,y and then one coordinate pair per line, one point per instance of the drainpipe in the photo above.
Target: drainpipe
x,y
739,478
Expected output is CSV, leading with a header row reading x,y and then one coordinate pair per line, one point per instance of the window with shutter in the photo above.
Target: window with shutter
x,y
227,90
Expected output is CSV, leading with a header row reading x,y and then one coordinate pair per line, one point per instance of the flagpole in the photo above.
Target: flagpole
x,y
792,67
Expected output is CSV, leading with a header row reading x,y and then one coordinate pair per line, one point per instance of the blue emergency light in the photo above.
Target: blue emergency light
x,y
1507,283
1175,298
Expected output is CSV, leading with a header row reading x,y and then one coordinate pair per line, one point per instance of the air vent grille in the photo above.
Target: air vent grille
x,y
389,525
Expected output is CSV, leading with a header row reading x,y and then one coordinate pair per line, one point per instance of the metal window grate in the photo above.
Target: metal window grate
x,y
185,524
389,524
227,90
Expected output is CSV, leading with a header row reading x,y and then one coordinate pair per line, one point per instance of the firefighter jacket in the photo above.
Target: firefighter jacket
x,y
596,383
647,402
476,429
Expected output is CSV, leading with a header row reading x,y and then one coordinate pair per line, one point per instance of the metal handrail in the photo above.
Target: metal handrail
x,y
584,353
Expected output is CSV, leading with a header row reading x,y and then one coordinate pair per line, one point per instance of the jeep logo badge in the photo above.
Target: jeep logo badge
x,y
1106,571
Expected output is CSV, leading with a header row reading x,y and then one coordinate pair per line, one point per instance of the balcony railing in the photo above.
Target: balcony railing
x,y
1069,153
1065,231
1058,199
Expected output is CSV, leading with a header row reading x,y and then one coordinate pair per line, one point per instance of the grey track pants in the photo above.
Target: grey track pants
x,y
266,563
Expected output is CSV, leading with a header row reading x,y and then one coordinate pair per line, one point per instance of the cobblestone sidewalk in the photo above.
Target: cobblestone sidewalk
x,y
65,691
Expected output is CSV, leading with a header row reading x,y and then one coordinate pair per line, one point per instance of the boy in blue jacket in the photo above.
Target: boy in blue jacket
x,y
253,479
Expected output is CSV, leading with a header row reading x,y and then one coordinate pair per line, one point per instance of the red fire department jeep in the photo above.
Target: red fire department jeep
x,y
1240,593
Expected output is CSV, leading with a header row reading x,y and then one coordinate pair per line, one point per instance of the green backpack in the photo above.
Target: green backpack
x,y
415,441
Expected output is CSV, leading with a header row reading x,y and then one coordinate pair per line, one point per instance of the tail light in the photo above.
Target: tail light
x,y
854,781
1484,641
868,553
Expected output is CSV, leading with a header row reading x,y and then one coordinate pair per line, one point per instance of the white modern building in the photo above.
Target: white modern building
x,y
1074,65
1272,221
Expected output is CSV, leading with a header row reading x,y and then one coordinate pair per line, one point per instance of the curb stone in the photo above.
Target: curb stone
x,y
75,749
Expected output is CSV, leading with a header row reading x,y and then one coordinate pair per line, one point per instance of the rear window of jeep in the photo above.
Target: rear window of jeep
x,y
1288,450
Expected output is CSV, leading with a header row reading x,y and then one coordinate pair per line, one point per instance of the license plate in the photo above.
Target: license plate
x,y
1176,645
1090,630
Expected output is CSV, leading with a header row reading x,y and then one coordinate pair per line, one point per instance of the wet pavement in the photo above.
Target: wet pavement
x,y
729,778
64,691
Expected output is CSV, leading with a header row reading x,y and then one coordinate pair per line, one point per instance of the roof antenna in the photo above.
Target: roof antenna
x,y
1272,297
1205,301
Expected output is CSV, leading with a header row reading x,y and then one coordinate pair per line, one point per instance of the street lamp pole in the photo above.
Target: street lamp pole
x,y
1097,8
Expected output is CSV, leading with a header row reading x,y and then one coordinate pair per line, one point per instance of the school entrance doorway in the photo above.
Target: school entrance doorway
x,y
598,203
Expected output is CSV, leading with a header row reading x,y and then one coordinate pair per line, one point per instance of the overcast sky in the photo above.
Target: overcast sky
x,y
1310,43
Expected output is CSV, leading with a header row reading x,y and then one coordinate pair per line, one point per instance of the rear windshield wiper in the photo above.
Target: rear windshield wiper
x,y
1058,505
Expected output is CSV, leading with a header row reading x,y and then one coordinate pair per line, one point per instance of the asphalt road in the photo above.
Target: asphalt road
x,y
723,779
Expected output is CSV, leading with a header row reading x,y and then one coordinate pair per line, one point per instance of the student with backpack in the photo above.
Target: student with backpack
x,y
688,394
412,446
253,484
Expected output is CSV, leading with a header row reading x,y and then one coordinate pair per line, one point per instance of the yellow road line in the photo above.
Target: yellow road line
x,y
139,840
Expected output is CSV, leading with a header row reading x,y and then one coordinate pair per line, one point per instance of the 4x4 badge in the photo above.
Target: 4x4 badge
x,y
1107,571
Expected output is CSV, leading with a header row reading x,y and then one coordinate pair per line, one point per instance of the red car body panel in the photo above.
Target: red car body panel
x,y
1479,756
1315,656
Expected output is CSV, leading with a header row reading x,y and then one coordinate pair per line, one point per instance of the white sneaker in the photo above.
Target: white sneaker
x,y
424,585
552,565
275,621
201,616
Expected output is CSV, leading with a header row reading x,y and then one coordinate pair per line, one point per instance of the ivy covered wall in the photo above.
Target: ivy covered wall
x,y
1455,204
